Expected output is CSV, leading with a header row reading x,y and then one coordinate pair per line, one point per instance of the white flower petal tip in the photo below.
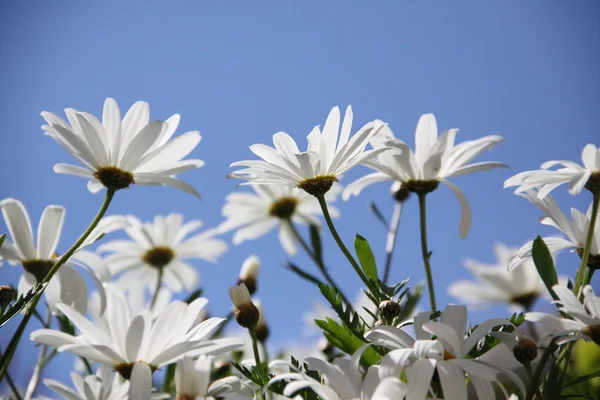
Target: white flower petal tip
x,y
118,153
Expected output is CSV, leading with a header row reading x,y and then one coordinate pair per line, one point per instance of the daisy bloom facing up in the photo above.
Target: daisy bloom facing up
x,y
117,154
156,250
434,160
330,154
67,285
254,214
585,322
495,284
134,344
575,175
575,229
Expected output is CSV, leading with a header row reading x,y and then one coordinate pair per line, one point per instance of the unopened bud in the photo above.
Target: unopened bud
x,y
593,332
525,351
389,309
262,329
246,313
249,273
7,295
222,369
399,192
326,347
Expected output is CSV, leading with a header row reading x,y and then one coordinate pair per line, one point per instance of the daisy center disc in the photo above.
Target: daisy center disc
x,y
525,300
421,187
284,207
593,183
159,256
593,332
593,259
114,178
124,369
38,268
317,186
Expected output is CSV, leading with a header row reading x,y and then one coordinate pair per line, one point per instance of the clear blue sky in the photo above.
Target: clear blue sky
x,y
525,70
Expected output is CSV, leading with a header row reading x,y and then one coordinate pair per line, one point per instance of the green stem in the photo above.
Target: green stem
x,y
169,376
13,387
533,389
158,282
391,240
583,277
318,261
425,250
14,342
255,347
338,239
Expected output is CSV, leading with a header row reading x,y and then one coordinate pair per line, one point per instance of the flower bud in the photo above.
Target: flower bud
x,y
7,295
222,369
246,313
593,332
525,350
389,309
249,273
326,347
399,192
262,329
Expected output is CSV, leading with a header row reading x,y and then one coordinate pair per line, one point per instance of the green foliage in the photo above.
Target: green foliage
x,y
260,377
378,214
544,264
366,258
303,274
583,374
315,240
194,295
345,311
22,302
489,342
344,339
2,237
65,325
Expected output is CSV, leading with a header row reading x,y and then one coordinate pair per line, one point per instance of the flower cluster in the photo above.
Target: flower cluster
x,y
385,347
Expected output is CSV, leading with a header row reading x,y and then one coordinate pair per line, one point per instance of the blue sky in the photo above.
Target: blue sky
x,y
525,70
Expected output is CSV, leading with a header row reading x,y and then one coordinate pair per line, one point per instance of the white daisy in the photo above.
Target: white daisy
x,y
343,380
67,285
193,381
519,288
574,174
419,358
119,153
254,214
585,322
330,153
159,247
434,160
575,230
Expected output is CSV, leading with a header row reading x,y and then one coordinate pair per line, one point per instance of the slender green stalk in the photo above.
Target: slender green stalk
x,y
533,388
169,376
13,387
252,332
583,277
158,283
391,240
14,342
39,366
425,250
318,261
338,239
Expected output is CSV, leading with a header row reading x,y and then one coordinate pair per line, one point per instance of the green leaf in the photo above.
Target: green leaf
x,y
378,214
2,237
194,295
343,338
545,265
410,303
303,274
345,311
366,258
20,304
65,325
315,240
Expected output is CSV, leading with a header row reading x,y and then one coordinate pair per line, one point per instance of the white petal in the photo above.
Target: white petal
x,y
465,210
19,225
134,338
49,231
141,382
157,179
287,238
426,136
73,170
139,145
420,379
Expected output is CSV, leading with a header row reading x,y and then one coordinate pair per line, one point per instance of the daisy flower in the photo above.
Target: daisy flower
x,y
118,153
330,153
585,322
343,380
575,230
67,285
254,214
159,247
134,344
434,160
495,284
546,180
419,358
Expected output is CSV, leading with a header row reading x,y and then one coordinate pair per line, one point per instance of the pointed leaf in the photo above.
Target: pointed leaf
x,y
303,274
373,207
366,257
315,240
545,265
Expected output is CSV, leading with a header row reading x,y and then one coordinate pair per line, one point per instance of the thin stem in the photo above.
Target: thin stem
x,y
39,366
13,387
529,371
391,239
538,371
158,282
580,281
425,250
252,332
318,261
339,241
14,342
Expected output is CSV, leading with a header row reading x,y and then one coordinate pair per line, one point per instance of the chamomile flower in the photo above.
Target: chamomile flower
x,y
330,154
577,176
496,284
160,248
434,160
117,154
252,215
